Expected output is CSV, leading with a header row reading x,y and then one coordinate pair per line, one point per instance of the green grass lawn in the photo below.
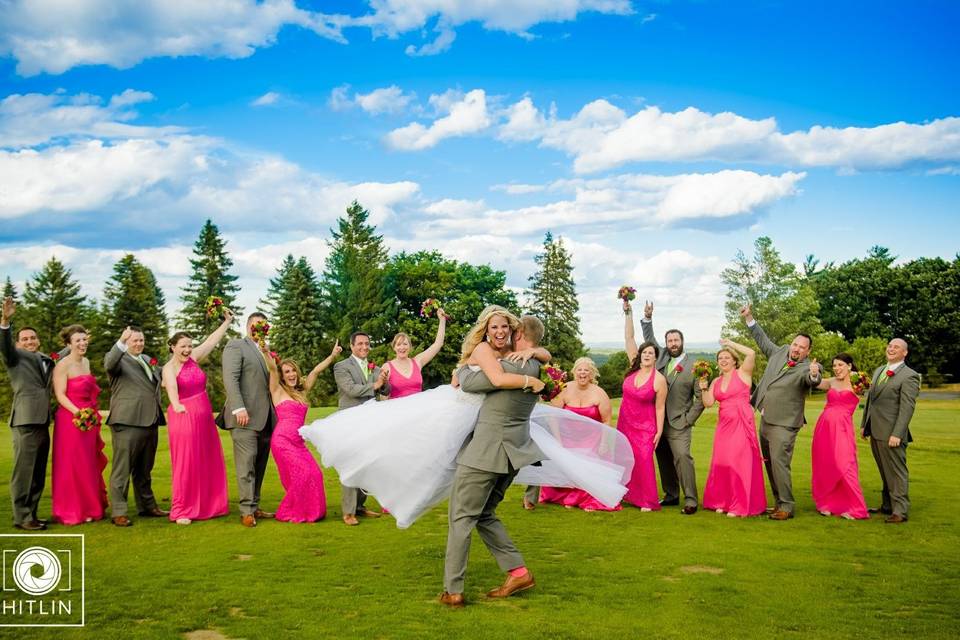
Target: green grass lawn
x,y
600,575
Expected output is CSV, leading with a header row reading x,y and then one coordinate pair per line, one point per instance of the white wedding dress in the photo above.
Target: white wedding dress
x,y
403,451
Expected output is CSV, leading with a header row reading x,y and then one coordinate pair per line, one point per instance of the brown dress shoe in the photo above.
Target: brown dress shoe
x,y
688,510
156,512
122,521
31,525
452,599
248,520
512,585
780,515
263,515
895,519
350,520
368,513
529,506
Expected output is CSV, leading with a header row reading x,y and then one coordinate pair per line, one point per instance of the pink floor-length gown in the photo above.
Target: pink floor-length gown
x,y
304,500
401,385
638,421
735,480
578,497
78,491
198,473
836,475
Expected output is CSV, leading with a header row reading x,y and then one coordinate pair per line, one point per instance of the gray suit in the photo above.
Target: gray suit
x,y
499,446
135,414
30,375
888,411
780,397
683,408
246,381
354,388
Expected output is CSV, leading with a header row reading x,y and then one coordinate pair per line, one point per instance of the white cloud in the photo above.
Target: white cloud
x,y
443,42
268,99
464,117
518,189
453,208
390,99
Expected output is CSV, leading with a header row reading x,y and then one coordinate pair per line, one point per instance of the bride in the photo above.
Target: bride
x,y
403,451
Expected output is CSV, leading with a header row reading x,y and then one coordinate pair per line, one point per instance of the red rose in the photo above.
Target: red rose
x,y
791,363
153,362
678,368
371,366
890,373
54,356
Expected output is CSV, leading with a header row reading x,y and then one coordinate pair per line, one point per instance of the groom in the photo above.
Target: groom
x,y
486,466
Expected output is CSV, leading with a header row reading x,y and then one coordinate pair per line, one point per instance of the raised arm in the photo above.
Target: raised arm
x,y
311,378
485,357
749,357
766,345
60,387
170,384
630,343
111,361
205,348
424,357
10,355
646,325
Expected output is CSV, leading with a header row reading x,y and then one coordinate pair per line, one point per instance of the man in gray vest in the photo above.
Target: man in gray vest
x,y
135,415
886,421
357,382
500,445
684,406
780,397
31,373
249,416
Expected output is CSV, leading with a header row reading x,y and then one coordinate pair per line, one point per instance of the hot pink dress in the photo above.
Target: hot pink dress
x,y
578,497
638,421
300,475
79,493
836,475
400,385
735,481
198,473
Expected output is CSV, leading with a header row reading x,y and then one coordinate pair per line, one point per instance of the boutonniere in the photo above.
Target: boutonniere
x,y
55,356
890,373
678,368
153,362
791,363
371,366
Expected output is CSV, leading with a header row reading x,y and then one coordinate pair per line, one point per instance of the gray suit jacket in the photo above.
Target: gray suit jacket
x,y
31,375
246,381
352,388
684,405
890,405
781,393
134,397
501,438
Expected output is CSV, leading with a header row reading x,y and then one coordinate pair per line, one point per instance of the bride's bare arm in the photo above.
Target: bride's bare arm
x,y
485,357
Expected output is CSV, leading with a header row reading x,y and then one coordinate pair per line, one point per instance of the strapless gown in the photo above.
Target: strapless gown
x,y
836,475
304,500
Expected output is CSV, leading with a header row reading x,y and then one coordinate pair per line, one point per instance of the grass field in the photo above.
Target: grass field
x,y
600,575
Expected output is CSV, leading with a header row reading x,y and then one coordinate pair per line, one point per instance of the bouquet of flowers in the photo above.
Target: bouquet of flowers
x,y
86,419
214,306
626,293
702,369
431,307
554,380
259,331
860,382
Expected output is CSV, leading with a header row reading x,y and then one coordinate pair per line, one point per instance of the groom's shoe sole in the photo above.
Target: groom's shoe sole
x,y
513,585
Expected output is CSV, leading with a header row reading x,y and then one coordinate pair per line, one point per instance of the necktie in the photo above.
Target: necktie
x,y
146,367
364,370
672,366
884,377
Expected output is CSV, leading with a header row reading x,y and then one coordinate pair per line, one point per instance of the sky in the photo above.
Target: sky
x,y
655,138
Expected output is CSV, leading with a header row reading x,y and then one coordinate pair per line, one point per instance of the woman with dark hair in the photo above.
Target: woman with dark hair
x,y
197,470
835,481
78,491
641,415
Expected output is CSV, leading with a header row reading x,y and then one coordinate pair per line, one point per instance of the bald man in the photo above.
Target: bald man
x,y
886,422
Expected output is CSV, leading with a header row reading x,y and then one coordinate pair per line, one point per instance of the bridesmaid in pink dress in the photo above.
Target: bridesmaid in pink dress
x,y
302,479
836,474
735,480
197,470
79,493
405,376
585,398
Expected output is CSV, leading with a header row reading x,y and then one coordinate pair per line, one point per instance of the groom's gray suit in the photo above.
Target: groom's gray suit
x,y
499,446
246,380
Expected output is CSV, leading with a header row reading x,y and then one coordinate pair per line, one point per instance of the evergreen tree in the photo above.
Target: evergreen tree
x,y
51,301
553,298
10,290
132,297
210,277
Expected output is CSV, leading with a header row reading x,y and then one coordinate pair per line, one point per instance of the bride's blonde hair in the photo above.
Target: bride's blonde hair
x,y
478,332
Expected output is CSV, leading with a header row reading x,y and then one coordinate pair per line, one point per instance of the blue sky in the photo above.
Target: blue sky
x,y
657,138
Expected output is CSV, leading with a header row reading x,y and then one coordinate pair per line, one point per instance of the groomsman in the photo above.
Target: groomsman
x,y
30,375
779,397
135,415
249,416
684,406
357,382
886,421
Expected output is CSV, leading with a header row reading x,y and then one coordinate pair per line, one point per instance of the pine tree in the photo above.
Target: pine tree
x,y
553,298
10,290
352,286
211,265
132,297
51,301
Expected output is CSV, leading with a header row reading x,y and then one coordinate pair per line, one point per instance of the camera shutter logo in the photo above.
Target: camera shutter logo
x,y
25,570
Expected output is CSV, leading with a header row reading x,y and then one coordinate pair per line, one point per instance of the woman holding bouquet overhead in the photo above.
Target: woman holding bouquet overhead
x,y
79,493
197,470
836,476
405,376
735,481
642,412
